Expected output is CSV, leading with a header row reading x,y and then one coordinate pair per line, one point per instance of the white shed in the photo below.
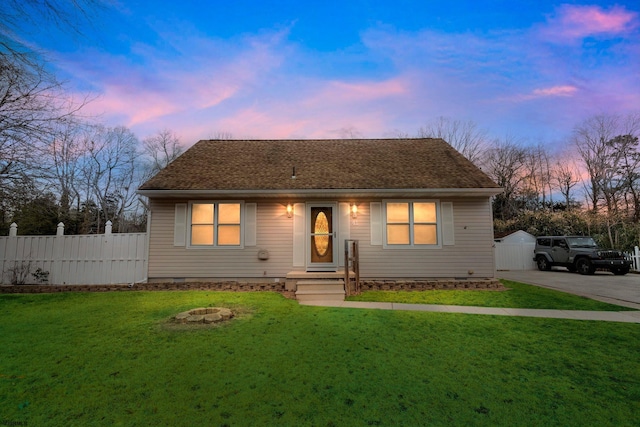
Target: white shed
x,y
515,251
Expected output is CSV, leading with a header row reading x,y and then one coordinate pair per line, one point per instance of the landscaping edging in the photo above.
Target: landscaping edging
x,y
365,285
427,285
159,286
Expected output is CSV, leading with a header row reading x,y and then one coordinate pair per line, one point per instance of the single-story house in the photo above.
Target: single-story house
x,y
273,209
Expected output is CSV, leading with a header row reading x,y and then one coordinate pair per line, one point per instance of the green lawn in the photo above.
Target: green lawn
x,y
519,295
74,359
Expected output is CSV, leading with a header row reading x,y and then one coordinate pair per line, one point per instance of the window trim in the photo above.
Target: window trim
x,y
412,245
216,211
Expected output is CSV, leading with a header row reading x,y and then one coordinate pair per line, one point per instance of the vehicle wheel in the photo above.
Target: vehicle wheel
x,y
583,266
543,264
620,271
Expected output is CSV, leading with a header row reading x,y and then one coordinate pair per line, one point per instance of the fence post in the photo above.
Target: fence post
x,y
108,256
10,254
58,256
636,258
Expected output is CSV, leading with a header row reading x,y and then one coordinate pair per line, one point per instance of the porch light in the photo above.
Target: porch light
x,y
354,211
289,210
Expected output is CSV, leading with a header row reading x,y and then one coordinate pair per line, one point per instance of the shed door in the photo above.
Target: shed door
x,y
322,237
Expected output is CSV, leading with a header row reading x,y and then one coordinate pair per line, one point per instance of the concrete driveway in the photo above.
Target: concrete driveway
x,y
602,286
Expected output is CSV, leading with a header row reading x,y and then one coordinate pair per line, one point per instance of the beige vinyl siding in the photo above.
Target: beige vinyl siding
x,y
274,232
473,249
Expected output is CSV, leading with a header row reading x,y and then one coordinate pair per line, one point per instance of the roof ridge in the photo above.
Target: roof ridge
x,y
324,139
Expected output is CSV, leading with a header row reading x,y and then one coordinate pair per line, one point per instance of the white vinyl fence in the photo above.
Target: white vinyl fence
x,y
635,258
514,256
84,259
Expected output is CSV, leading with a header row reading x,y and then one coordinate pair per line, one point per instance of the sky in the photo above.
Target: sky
x,y
531,69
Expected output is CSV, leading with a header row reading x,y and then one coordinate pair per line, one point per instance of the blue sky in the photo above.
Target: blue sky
x,y
292,69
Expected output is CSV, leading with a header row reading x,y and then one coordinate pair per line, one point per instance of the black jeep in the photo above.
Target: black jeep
x,y
578,253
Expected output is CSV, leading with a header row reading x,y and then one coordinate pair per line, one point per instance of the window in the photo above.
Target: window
x,y
544,241
560,243
215,224
409,224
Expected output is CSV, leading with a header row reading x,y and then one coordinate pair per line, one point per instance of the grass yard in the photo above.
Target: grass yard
x,y
77,359
519,295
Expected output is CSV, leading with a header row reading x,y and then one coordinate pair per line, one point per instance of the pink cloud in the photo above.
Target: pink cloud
x,y
577,22
136,106
309,108
555,91
564,91
255,123
283,121
338,92
193,81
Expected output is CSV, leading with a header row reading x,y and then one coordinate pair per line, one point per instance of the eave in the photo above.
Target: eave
x,y
318,194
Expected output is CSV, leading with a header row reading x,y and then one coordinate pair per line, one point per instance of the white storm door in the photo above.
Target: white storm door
x,y
322,236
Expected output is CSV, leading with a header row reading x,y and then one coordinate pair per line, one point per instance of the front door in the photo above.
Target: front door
x,y
321,237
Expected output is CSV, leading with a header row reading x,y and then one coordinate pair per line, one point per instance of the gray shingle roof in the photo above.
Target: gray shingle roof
x,y
420,163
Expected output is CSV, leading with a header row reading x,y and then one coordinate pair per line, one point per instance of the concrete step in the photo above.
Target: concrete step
x,y
320,284
320,289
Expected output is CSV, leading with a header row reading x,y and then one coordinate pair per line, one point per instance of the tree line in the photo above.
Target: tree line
x,y
590,185
82,174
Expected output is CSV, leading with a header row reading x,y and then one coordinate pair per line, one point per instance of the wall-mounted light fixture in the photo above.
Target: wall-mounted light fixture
x,y
354,211
289,210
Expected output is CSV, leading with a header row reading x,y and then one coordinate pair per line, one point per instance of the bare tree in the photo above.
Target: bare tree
x,y
608,148
591,140
111,171
628,174
504,162
65,153
32,106
629,169
536,182
565,177
161,149
464,136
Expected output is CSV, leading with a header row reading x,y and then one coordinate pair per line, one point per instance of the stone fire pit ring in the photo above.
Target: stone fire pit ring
x,y
204,315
